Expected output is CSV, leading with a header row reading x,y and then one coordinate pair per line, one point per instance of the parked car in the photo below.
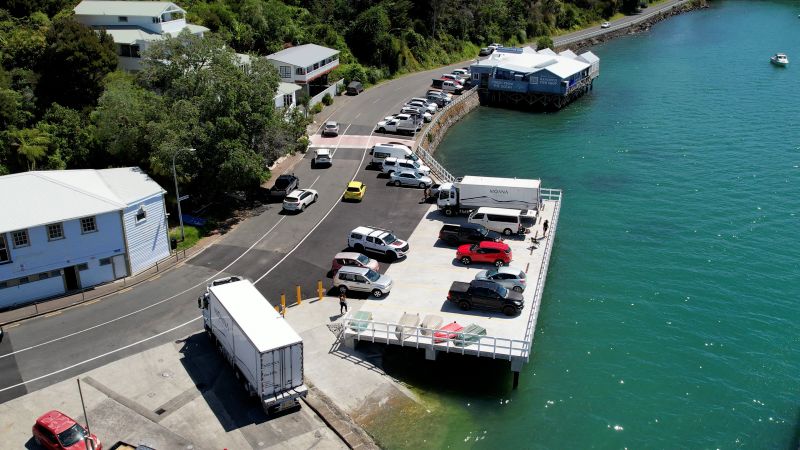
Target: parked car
x,y
283,185
452,86
353,259
298,200
485,295
362,279
331,128
495,45
401,123
453,77
463,73
467,233
417,113
377,240
355,88
355,191
55,430
497,253
432,106
605,25
508,277
322,156
410,178
392,164
485,51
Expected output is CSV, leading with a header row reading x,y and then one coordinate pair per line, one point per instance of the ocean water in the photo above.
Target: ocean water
x,y
671,316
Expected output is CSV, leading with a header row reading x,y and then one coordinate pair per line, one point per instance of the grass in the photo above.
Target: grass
x,y
191,236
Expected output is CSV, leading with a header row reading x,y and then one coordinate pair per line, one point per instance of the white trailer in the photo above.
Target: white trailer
x,y
265,352
470,193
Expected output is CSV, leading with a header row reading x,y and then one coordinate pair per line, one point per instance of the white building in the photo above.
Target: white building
x,y
65,230
305,65
134,24
286,97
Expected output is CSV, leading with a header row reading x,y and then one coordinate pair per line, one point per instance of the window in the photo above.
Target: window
x,y
55,273
24,280
300,71
4,255
288,100
286,71
20,238
131,51
141,214
105,261
316,66
82,267
55,231
43,275
122,19
88,225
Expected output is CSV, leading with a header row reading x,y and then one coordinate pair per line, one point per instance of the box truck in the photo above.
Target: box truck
x,y
470,193
265,352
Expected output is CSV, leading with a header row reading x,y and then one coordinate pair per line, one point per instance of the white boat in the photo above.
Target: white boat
x,y
779,59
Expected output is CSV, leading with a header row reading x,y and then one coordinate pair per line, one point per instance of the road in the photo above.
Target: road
x,y
276,250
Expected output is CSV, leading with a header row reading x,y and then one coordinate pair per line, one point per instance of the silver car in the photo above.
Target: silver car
x,y
330,129
508,277
409,178
362,279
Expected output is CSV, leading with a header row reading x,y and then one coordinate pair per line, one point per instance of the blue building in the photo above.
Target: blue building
x,y
66,230
525,77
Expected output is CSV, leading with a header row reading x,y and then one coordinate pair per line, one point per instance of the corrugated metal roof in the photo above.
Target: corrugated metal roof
x,y
546,51
194,29
529,62
42,197
303,55
568,54
124,8
588,57
130,35
287,88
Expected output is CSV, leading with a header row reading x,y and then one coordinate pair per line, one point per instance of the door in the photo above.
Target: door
x,y
118,263
71,278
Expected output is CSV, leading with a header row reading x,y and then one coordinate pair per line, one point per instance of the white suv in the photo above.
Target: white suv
x,y
362,279
391,165
377,240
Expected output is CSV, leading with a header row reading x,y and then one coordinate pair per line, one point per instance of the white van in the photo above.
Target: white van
x,y
503,220
380,152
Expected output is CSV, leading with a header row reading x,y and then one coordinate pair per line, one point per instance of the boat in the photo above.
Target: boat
x,y
779,59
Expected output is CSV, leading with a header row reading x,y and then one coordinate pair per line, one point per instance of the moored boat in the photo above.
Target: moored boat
x,y
779,59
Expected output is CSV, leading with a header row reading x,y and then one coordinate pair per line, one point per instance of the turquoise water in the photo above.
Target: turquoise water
x,y
671,313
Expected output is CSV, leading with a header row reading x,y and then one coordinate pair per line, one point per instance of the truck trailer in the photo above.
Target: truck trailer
x,y
265,352
470,193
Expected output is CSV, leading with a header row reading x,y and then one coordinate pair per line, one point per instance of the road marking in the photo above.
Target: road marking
x,y
340,140
48,375
54,313
356,117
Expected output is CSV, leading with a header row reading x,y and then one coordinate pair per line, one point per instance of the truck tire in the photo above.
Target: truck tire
x,y
422,186
517,289
381,130
509,310
466,260
464,305
507,232
394,255
377,293
359,248
498,263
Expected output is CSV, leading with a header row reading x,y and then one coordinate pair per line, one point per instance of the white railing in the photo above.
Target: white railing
x,y
550,194
421,337
437,169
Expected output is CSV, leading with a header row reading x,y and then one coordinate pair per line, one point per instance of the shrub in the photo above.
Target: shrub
x,y
327,99
316,109
544,42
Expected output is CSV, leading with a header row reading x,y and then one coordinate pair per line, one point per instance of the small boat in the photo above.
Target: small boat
x,y
779,59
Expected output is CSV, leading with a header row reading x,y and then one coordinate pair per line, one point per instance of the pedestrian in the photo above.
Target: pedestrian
x,y
545,225
426,193
342,303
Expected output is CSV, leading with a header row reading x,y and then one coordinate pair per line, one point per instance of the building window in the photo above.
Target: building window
x,y
24,280
130,51
88,225
105,261
55,273
82,267
288,100
43,275
122,19
286,72
4,255
141,214
316,66
20,238
300,71
55,231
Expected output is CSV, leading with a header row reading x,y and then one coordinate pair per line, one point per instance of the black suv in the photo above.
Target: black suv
x,y
284,185
465,234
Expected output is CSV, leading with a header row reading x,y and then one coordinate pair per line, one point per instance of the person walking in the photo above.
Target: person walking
x,y
545,225
342,303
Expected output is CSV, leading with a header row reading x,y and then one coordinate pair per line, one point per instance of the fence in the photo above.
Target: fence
x,y
329,90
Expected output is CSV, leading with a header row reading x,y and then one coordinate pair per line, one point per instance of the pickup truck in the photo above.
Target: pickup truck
x,y
465,234
448,86
485,295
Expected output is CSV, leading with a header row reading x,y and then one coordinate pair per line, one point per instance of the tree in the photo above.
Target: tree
x,y
72,137
73,65
31,144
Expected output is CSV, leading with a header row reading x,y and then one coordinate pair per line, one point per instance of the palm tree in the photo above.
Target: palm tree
x,y
31,143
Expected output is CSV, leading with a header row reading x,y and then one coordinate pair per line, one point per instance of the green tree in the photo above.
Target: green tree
x,y
72,137
31,145
74,64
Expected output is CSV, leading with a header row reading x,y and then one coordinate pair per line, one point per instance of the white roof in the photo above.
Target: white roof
x,y
194,29
43,197
588,57
124,8
303,55
529,62
494,181
490,210
130,35
287,88
546,51
568,53
256,317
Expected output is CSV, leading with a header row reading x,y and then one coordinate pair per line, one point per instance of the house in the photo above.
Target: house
x,y
65,230
134,25
306,65
286,97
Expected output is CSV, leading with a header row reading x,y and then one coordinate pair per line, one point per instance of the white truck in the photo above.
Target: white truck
x,y
265,352
401,123
470,193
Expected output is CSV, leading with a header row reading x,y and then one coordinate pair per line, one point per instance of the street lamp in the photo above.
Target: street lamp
x,y
177,194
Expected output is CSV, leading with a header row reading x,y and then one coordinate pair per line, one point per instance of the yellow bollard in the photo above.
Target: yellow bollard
x,y
320,290
283,302
278,309
299,299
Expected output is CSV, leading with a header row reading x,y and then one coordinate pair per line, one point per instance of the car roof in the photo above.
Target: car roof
x,y
507,269
369,231
295,193
331,122
353,269
412,172
349,255
55,421
286,176
492,244
357,184
323,151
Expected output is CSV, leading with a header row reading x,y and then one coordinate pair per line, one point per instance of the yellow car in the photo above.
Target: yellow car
x,y
355,191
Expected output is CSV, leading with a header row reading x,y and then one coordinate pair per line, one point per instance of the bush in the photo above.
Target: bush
x,y
302,144
316,109
327,99
543,42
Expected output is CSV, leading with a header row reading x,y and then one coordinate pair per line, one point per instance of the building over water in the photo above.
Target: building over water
x,y
530,79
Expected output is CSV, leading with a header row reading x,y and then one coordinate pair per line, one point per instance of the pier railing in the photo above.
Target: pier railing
x,y
437,170
448,341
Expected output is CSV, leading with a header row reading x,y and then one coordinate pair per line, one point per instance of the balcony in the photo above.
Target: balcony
x,y
317,70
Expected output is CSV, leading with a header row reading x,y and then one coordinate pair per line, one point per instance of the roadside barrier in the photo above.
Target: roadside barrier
x,y
320,289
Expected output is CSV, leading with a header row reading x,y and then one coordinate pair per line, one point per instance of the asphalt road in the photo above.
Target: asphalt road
x,y
278,251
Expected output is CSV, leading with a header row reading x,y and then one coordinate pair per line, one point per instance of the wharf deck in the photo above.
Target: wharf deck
x,y
422,281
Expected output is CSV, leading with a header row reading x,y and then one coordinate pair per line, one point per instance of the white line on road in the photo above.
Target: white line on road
x,y
340,141
99,356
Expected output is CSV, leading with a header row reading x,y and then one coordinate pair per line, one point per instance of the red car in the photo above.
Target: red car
x,y
497,253
56,431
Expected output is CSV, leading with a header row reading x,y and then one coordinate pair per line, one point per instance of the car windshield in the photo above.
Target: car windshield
x,y
372,275
291,199
330,125
474,248
389,239
482,231
413,157
71,435
281,183
502,291
352,189
363,259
